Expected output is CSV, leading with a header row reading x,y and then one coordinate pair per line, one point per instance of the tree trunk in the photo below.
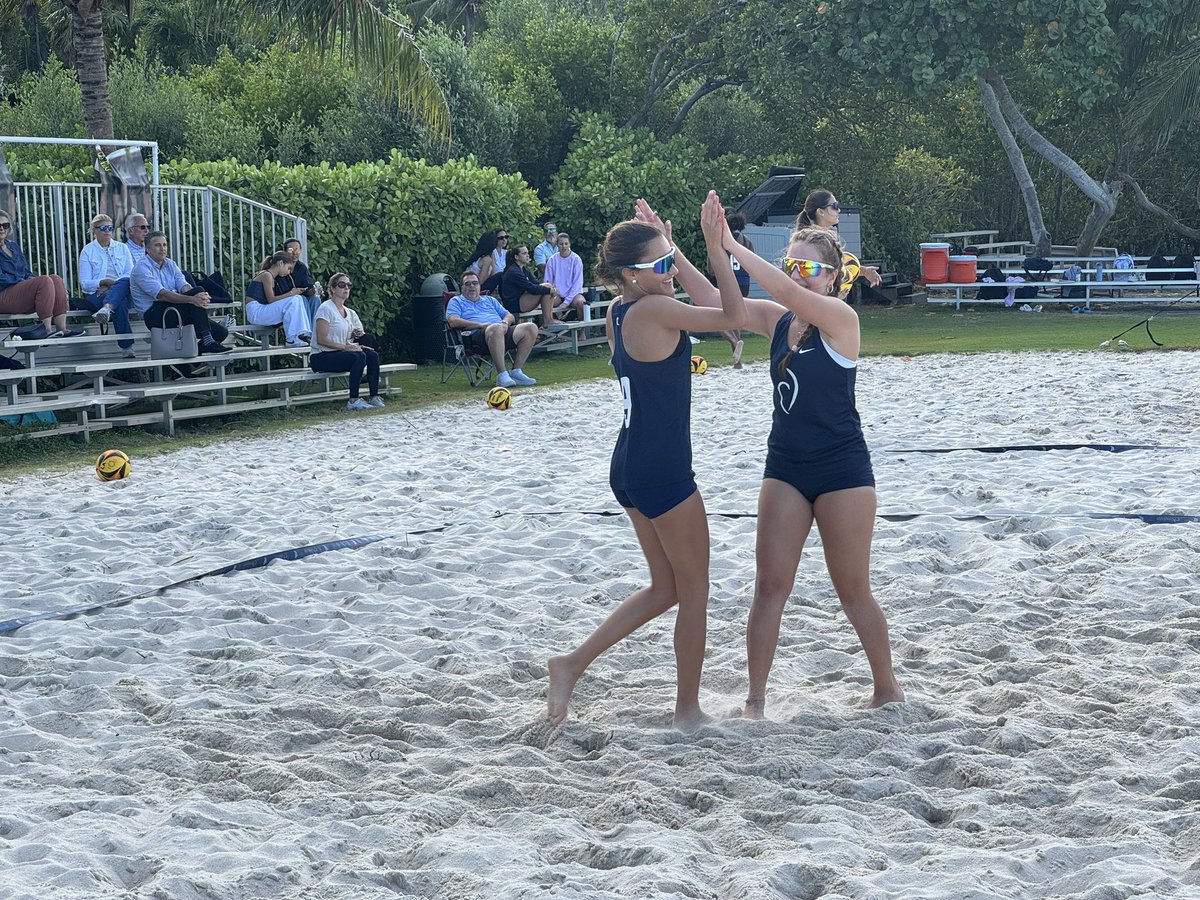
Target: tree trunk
x,y
1146,203
91,67
703,91
1103,196
469,12
1033,206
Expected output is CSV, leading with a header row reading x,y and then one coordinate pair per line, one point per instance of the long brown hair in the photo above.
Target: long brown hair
x,y
279,256
624,244
818,198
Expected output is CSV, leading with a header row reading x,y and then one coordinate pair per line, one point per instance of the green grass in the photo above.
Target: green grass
x,y
898,331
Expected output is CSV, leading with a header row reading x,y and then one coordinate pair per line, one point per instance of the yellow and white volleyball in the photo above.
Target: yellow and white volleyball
x,y
499,398
699,365
112,465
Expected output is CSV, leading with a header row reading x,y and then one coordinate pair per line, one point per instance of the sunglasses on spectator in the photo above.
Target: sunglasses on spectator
x,y
806,267
836,207
139,226
661,266
502,237
105,228
4,226
342,284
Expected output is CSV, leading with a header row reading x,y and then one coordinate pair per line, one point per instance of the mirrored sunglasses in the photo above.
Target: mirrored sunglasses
x,y
661,266
806,267
107,229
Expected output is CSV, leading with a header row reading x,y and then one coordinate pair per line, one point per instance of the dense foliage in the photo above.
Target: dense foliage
x,y
591,104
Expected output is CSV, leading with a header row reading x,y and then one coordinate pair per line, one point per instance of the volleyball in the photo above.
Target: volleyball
x,y
699,365
499,398
112,465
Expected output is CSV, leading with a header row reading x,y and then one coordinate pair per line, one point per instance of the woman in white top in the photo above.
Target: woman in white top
x,y
289,309
335,344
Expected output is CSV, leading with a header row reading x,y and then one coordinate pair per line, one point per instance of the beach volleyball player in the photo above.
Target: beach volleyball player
x,y
651,470
818,467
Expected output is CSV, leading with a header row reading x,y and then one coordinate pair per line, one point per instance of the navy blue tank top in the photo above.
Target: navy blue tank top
x,y
256,291
655,443
814,413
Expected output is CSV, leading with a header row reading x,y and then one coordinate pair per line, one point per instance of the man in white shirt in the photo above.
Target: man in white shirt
x,y
104,269
564,270
546,249
136,229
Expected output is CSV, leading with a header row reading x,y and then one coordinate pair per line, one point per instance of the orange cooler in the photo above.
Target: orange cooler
x,y
935,262
962,269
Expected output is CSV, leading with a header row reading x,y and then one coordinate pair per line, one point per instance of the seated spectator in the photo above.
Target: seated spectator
x,y
490,257
289,309
301,278
487,327
23,292
104,269
338,344
136,229
564,270
157,285
546,249
520,293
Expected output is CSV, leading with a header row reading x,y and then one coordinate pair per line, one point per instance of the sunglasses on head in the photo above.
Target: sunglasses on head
x,y
661,266
105,228
806,267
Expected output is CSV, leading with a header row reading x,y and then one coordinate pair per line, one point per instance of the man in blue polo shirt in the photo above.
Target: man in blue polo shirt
x,y
157,285
488,326
546,249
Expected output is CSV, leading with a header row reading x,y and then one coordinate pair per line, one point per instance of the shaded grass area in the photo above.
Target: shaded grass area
x,y
904,331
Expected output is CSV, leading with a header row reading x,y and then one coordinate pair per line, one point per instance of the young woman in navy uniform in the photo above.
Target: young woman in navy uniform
x,y
651,469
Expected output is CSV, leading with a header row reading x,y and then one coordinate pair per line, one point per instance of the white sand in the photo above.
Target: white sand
x,y
368,724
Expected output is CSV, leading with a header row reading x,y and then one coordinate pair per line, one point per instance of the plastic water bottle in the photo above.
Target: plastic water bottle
x,y
1099,269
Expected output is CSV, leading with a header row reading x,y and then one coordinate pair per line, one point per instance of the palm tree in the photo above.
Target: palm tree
x,y
355,29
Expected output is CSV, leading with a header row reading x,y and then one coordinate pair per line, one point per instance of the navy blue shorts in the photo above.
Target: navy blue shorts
x,y
652,502
836,472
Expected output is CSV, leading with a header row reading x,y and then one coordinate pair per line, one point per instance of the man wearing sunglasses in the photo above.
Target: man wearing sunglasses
x,y
546,249
136,229
486,326
104,269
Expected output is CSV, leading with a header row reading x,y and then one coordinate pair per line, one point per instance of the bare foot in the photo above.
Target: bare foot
x,y
691,719
558,694
893,694
754,709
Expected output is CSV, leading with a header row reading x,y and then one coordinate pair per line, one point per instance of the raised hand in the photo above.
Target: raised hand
x,y
644,212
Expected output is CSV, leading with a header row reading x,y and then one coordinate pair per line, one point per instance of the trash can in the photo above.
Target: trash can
x,y
429,317
935,262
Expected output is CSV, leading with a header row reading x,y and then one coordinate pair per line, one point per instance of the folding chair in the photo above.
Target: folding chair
x,y
477,366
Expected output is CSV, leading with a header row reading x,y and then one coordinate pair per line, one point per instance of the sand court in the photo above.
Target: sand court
x,y
370,723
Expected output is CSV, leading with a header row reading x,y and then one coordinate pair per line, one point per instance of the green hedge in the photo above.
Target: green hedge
x,y
388,224
608,168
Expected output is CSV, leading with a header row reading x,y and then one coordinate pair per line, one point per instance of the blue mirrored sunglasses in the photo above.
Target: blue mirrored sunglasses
x,y
661,266
105,228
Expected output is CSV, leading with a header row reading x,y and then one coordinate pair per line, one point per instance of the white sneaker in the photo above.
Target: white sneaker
x,y
358,403
504,379
128,353
103,314
376,402
521,378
